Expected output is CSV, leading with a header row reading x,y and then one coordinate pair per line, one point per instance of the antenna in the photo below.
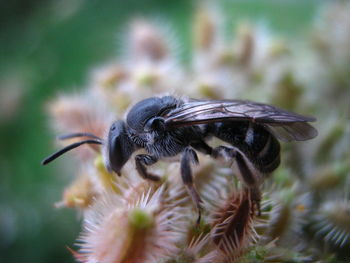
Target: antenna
x,y
78,134
68,148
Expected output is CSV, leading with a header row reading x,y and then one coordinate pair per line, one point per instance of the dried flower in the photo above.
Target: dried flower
x,y
233,227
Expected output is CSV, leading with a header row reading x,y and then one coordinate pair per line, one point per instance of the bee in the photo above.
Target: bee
x,y
169,126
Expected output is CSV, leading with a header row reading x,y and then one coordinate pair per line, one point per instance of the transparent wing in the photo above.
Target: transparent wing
x,y
292,131
284,125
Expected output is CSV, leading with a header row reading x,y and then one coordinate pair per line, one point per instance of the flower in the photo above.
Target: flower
x,y
143,230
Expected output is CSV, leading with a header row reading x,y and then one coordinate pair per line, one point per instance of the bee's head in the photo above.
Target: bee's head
x,y
118,147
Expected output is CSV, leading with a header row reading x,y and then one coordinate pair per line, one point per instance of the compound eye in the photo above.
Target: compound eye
x,y
156,123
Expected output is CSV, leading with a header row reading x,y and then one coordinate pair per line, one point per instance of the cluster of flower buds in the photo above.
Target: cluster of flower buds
x,y
128,219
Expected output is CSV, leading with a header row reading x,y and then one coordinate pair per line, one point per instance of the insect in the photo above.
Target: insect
x,y
169,126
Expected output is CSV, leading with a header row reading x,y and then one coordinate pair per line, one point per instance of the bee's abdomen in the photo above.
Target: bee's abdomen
x,y
259,145
268,158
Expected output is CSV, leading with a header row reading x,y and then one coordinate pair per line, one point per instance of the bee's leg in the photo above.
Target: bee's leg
x,y
250,177
255,195
141,161
221,152
189,156
202,146
225,153
244,170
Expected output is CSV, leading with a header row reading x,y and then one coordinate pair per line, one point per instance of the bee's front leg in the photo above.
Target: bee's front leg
x,y
141,161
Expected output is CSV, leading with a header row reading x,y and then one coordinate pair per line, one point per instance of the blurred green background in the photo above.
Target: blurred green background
x,y
49,47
